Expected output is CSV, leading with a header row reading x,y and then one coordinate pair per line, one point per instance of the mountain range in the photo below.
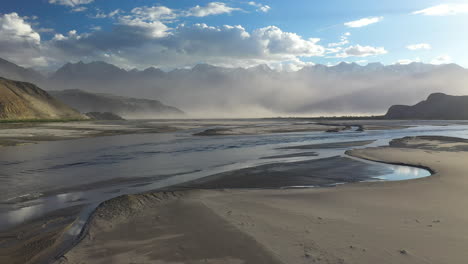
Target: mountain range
x,y
211,91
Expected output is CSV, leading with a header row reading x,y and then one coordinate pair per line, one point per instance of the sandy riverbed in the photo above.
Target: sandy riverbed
x,y
416,221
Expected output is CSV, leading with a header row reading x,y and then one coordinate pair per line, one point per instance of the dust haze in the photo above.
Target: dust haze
x,y
207,91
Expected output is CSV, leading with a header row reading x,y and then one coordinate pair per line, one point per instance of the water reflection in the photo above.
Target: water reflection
x,y
404,173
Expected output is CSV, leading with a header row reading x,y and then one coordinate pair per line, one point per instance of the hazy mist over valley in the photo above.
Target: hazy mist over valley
x,y
206,91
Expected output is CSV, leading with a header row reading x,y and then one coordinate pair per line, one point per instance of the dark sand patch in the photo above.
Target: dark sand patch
x,y
332,145
162,228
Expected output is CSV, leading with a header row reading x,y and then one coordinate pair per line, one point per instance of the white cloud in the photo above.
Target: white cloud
x,y
260,7
79,9
420,46
443,10
361,51
152,29
275,41
14,28
137,43
363,22
71,3
19,42
104,15
442,59
213,8
154,13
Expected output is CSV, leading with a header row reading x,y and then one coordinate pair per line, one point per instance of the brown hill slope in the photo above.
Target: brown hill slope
x,y
21,100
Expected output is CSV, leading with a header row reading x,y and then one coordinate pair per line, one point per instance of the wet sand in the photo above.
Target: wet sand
x,y
414,221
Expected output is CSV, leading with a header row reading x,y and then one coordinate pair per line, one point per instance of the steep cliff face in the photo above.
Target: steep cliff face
x,y
437,106
21,100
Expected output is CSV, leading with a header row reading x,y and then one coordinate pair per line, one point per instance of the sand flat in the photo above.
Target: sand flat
x,y
415,221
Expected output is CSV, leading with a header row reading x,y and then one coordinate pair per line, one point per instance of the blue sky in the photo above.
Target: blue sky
x,y
283,34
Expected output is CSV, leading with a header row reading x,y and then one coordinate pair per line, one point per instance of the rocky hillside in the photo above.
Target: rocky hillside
x,y
22,100
123,106
437,106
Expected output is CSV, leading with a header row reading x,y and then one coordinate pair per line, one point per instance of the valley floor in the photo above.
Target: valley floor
x,y
415,221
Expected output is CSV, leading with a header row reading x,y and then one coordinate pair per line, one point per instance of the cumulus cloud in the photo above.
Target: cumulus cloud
x,y
71,3
19,42
15,29
361,51
260,7
363,22
213,8
151,29
443,10
142,37
442,59
154,13
420,46
137,43
275,41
